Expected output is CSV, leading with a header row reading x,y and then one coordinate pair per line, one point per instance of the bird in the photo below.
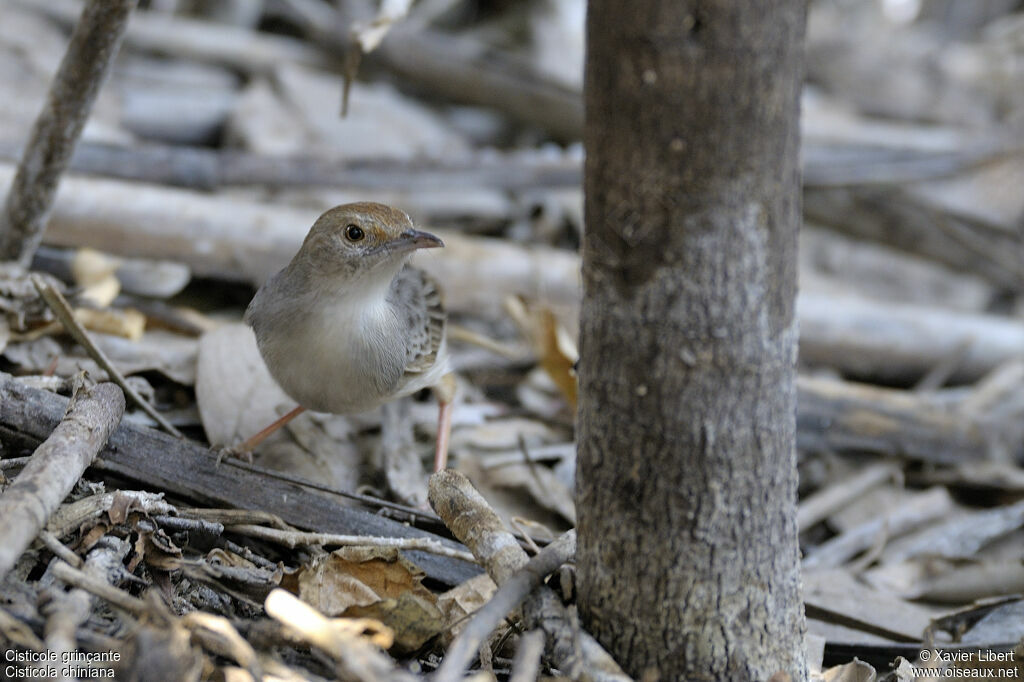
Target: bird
x,y
349,325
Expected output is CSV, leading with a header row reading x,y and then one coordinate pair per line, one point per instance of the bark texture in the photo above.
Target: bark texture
x,y
688,555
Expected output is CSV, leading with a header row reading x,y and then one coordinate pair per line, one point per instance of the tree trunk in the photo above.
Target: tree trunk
x,y
688,557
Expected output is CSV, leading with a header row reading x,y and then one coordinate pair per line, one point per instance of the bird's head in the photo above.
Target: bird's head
x,y
363,239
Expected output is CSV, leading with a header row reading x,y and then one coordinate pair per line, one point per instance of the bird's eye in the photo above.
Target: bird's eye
x,y
354,233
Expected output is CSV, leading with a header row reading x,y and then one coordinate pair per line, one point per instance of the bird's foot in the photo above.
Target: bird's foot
x,y
237,451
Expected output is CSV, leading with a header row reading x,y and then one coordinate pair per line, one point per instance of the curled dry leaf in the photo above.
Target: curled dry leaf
x,y
159,550
855,671
373,582
326,633
463,600
555,348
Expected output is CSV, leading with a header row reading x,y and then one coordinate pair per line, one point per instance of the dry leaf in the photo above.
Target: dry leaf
x,y
354,576
558,356
236,394
413,618
373,582
463,600
854,671
540,482
173,355
161,553
553,344
126,323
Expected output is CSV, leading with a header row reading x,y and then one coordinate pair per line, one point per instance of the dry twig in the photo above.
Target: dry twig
x,y
62,310
55,467
295,538
471,519
510,594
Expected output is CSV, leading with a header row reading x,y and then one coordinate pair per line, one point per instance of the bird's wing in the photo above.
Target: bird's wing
x,y
418,299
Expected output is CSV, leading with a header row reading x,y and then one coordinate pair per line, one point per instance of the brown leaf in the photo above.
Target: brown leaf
x,y
464,599
374,582
413,618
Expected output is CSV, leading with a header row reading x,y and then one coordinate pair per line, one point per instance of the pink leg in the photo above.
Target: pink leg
x,y
252,442
444,430
445,392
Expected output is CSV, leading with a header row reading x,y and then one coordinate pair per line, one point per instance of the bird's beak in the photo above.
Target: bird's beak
x,y
411,240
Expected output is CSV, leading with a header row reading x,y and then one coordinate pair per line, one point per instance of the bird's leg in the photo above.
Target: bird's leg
x,y
245,448
445,392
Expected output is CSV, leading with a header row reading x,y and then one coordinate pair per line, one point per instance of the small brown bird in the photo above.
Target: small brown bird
x,y
348,325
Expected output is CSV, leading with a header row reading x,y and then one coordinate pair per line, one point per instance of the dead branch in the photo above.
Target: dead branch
x,y
509,596
471,519
897,218
206,169
189,470
825,502
844,416
70,517
919,510
526,664
292,539
239,48
900,342
94,43
463,72
249,241
70,610
55,466
100,588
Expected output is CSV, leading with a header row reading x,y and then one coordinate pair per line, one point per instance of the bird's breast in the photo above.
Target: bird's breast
x,y
341,358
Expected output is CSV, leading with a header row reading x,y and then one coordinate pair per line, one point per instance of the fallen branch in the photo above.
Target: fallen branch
x,y
471,519
188,470
895,217
207,169
508,597
293,539
915,512
827,501
239,48
100,588
55,467
843,416
899,341
249,241
70,610
526,664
